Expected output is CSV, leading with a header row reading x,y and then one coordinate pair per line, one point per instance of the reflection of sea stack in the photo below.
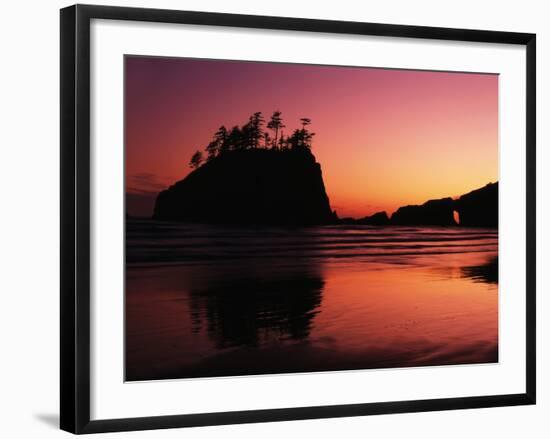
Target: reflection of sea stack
x,y
264,307
253,186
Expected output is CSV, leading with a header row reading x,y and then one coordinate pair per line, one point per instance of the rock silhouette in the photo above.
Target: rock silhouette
x,y
251,178
378,219
479,208
284,186
252,186
431,213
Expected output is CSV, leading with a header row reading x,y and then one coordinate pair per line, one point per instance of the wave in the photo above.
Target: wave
x,y
158,242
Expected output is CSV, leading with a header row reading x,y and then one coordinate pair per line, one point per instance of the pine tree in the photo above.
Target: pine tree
x,y
212,150
221,137
267,141
196,160
301,138
253,129
235,139
305,121
275,124
218,143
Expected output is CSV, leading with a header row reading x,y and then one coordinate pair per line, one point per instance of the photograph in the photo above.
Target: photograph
x,y
301,218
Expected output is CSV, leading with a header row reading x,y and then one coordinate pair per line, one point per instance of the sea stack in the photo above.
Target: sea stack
x,y
253,186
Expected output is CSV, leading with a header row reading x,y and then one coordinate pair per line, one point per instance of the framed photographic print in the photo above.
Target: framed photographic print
x,y
268,218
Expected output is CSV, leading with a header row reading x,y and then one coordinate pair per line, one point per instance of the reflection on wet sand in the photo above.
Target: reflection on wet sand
x,y
253,309
313,310
486,272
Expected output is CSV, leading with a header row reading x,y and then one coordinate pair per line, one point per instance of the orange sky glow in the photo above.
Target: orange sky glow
x,y
384,138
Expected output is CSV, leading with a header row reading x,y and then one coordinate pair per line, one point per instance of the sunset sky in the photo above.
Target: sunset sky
x,y
384,138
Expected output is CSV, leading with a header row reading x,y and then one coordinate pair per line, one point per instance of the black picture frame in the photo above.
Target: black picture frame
x,y
75,217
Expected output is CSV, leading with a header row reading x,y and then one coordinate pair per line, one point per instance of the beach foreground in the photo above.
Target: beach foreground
x,y
205,301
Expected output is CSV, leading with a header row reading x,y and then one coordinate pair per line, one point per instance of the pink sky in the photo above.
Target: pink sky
x,y
384,138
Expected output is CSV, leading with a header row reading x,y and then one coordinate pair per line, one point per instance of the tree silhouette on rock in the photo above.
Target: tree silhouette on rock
x,y
305,121
218,145
235,140
267,140
252,136
253,131
221,137
275,124
196,160
301,138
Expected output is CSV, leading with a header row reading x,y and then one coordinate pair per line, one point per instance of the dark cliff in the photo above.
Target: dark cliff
x,y
256,186
431,213
479,208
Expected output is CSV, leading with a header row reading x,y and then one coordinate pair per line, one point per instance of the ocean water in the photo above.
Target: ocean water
x,y
205,301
